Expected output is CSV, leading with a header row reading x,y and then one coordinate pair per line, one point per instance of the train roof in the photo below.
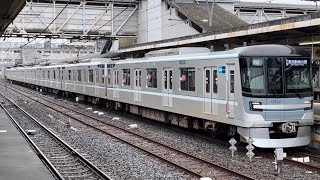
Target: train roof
x,y
271,50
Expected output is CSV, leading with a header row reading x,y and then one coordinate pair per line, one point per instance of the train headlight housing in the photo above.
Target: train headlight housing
x,y
310,103
254,106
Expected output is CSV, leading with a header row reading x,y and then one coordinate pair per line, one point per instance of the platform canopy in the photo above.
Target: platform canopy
x,y
9,9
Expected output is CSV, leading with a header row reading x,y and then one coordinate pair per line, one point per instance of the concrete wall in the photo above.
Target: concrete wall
x,y
157,22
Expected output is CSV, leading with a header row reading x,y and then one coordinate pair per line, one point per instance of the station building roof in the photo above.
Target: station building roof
x,y
197,13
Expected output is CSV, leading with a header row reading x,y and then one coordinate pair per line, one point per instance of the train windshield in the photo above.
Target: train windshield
x,y
274,76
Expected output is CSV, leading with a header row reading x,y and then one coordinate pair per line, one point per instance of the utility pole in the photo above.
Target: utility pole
x,y
210,12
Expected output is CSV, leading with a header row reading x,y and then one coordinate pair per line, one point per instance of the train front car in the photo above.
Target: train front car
x,y
277,96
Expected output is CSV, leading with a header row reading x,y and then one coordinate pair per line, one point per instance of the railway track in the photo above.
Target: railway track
x,y
63,161
196,166
313,165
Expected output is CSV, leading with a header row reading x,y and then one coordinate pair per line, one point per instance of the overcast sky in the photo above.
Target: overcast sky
x,y
283,1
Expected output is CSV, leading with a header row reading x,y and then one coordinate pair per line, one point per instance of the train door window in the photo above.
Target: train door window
x,y
102,76
62,75
140,78
74,78
85,75
116,77
48,74
109,76
215,81
187,79
165,79
69,75
43,75
79,75
170,83
97,76
90,75
126,77
58,74
152,78
136,78
54,75
207,81
231,81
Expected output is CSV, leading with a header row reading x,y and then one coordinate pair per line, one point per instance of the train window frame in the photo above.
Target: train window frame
x,y
152,80
207,80
69,75
257,68
126,77
109,76
85,75
54,75
79,79
215,81
97,76
102,76
90,75
231,76
187,80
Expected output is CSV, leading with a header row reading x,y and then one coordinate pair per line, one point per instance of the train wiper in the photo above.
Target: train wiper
x,y
275,92
298,94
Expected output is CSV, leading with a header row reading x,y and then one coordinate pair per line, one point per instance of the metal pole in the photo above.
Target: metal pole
x,y
84,18
210,12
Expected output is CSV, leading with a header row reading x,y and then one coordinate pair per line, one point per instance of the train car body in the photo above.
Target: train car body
x,y
263,92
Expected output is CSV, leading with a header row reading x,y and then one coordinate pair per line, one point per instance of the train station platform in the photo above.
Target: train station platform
x,y
17,158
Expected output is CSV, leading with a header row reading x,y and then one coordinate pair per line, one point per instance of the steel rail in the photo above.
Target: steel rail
x,y
74,152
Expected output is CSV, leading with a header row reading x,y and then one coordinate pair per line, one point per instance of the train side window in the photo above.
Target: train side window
x,y
207,81
187,79
74,78
79,75
152,78
215,82
43,75
231,81
102,76
90,75
54,75
48,74
126,77
109,76
69,75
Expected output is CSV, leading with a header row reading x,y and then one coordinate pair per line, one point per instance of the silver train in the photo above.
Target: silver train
x,y
263,92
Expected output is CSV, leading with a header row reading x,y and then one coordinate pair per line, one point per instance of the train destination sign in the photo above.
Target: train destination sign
x,y
296,62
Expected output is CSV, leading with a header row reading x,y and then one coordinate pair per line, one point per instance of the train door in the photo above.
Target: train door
x,y
137,85
167,87
74,78
96,82
84,82
115,83
211,90
230,100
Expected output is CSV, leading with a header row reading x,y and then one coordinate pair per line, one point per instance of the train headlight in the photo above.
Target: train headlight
x,y
254,106
310,103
